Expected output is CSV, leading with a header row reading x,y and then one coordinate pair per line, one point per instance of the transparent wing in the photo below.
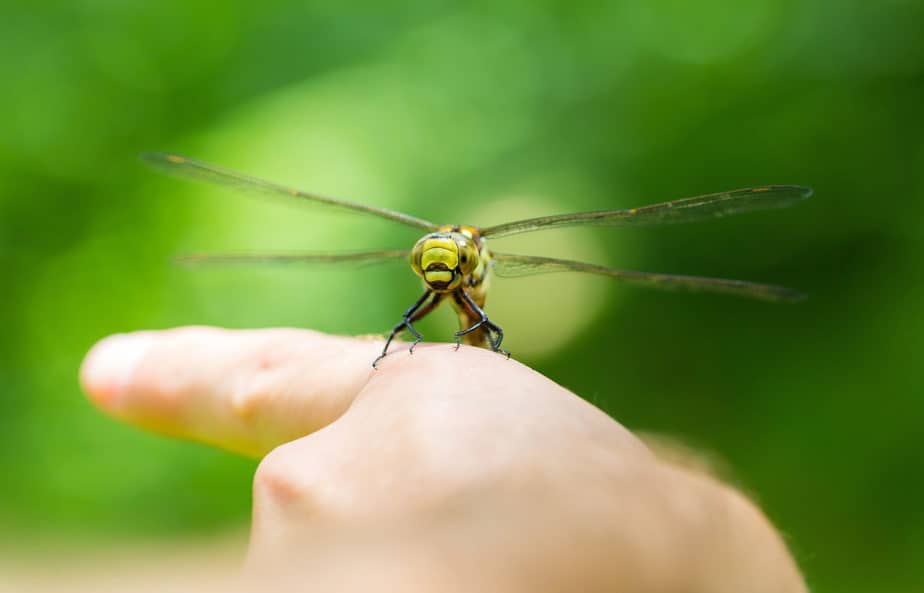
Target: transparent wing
x,y
508,265
180,166
360,257
683,210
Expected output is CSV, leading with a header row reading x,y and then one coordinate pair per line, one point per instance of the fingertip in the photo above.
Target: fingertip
x,y
109,366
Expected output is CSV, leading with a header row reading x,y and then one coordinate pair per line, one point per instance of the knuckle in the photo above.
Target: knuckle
x,y
254,393
296,477
277,477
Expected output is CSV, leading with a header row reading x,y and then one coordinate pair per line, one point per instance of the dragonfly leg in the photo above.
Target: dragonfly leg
x,y
496,343
420,314
495,333
495,337
415,312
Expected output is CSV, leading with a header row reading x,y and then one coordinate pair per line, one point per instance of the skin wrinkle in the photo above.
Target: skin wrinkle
x,y
252,398
273,384
274,478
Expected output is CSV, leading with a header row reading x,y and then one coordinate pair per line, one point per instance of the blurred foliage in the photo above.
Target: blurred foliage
x,y
477,114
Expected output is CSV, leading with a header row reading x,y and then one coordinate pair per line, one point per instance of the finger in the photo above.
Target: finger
x,y
246,390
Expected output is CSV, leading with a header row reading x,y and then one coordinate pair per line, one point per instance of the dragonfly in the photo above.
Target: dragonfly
x,y
455,263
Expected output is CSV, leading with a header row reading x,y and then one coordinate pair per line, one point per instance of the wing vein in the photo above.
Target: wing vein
x,y
511,266
187,168
298,258
677,211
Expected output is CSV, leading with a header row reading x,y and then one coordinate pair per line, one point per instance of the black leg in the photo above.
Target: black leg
x,y
493,328
420,314
415,312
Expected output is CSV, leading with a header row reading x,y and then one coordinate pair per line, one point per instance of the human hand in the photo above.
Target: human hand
x,y
440,471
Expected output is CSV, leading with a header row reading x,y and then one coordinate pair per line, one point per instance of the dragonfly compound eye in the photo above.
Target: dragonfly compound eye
x,y
468,257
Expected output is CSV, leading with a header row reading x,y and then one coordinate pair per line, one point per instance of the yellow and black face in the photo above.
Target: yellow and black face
x,y
445,258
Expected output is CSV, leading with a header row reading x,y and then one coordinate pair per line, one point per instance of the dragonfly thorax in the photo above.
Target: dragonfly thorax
x,y
444,259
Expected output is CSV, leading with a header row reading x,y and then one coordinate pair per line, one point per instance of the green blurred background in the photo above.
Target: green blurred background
x,y
478,115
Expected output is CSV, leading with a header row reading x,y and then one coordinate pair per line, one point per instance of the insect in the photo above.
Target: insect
x,y
455,262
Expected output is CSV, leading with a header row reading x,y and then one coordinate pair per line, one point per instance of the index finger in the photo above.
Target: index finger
x,y
243,390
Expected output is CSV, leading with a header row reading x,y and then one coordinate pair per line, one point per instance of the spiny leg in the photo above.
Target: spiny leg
x,y
420,314
497,338
471,312
414,313
496,342
464,299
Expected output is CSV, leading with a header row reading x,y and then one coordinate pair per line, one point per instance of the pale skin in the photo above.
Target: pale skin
x,y
442,470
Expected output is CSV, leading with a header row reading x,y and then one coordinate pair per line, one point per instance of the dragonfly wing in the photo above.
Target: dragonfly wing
x,y
683,210
360,257
509,265
187,168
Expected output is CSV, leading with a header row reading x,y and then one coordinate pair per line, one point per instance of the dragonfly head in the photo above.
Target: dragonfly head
x,y
444,258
